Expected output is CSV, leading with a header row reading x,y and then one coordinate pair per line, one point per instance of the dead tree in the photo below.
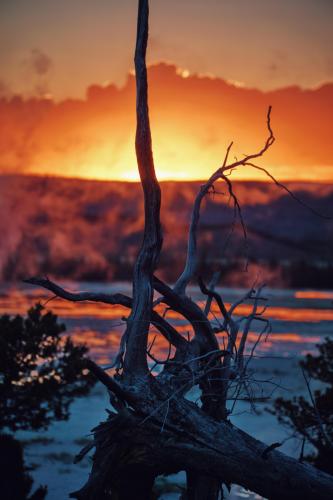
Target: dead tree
x,y
152,427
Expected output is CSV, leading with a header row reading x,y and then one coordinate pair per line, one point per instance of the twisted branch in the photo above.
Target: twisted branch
x,y
167,330
138,322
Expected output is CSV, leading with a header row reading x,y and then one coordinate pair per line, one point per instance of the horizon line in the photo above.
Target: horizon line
x,y
163,181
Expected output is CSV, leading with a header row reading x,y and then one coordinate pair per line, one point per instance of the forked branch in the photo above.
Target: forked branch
x,y
164,327
221,173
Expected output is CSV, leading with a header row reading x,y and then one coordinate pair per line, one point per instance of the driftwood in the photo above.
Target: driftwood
x,y
152,428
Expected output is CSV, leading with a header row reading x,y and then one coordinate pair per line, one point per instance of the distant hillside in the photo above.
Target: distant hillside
x,y
91,230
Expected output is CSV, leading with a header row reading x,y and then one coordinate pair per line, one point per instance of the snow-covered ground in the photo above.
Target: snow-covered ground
x,y
51,452
299,321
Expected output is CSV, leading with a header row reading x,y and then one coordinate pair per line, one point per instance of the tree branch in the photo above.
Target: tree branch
x,y
158,321
192,312
282,186
138,323
250,318
109,382
191,257
269,142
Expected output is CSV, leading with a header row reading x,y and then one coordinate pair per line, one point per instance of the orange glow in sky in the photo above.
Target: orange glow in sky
x,y
61,47
67,93
193,119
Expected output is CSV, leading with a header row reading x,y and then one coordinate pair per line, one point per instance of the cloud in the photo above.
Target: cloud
x,y
37,67
193,119
40,62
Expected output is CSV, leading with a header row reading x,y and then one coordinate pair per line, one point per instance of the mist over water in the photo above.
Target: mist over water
x,y
91,231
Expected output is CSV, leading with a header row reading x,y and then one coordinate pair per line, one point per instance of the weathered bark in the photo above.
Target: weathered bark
x,y
191,311
139,319
193,441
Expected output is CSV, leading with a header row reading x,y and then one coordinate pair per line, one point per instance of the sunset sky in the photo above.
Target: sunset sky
x,y
58,49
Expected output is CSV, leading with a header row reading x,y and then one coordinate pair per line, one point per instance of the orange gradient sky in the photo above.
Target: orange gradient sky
x,y
230,60
193,119
61,47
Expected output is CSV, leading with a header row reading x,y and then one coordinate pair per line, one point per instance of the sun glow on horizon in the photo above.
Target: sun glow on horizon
x,y
177,159
187,164
193,119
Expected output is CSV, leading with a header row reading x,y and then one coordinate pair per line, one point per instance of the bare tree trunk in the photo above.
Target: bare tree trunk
x,y
205,447
139,319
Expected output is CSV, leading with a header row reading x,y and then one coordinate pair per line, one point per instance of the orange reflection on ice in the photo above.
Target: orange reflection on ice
x,y
95,338
283,343
283,313
18,302
294,337
313,294
104,345
100,326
